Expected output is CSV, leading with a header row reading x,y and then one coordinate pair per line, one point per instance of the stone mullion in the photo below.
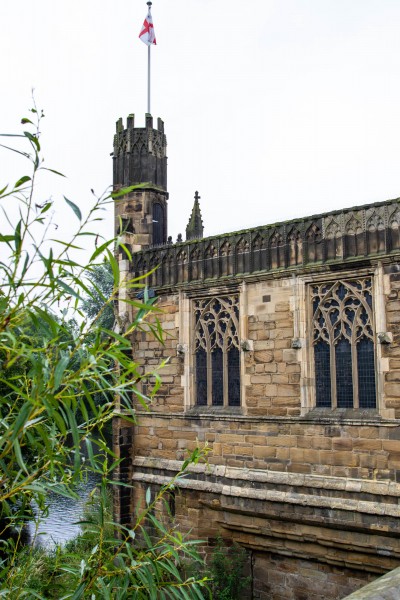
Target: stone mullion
x,y
209,377
333,376
225,382
354,372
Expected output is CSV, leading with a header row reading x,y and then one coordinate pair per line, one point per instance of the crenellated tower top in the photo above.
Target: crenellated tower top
x,y
140,154
140,159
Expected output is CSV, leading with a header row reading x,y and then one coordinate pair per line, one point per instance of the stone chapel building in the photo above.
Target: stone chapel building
x,y
283,348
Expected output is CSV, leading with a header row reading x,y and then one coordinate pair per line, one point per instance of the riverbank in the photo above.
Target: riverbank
x,y
41,566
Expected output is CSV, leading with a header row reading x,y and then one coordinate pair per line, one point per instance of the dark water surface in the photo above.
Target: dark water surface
x,y
59,526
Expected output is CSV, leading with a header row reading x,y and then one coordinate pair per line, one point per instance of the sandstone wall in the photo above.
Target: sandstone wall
x,y
312,494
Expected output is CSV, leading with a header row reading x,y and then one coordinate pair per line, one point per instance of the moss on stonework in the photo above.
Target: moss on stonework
x,y
307,219
124,191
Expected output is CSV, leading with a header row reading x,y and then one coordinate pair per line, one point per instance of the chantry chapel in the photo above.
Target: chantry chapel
x,y
283,355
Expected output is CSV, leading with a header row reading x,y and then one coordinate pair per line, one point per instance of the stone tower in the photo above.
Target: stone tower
x,y
140,158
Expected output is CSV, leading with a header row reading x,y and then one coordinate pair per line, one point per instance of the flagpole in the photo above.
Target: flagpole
x,y
148,69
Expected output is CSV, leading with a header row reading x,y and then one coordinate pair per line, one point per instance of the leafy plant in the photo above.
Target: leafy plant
x,y
101,286
53,363
227,571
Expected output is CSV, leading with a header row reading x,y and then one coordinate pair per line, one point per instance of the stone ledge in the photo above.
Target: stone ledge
x,y
382,488
377,421
323,546
384,588
372,508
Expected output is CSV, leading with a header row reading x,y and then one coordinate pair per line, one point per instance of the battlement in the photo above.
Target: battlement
x,y
130,123
329,240
140,153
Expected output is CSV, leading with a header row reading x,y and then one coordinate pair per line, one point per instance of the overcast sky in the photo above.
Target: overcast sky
x,y
273,109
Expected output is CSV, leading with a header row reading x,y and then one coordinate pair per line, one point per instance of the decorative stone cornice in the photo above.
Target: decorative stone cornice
x,y
352,236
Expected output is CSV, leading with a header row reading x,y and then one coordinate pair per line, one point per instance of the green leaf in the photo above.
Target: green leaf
x,y
89,448
74,207
15,150
46,207
114,267
17,237
79,592
21,181
33,139
53,171
68,289
24,121
100,250
148,496
59,422
59,371
129,189
18,455
126,250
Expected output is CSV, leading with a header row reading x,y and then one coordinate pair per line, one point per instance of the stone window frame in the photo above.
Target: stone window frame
x,y
187,342
302,311
343,318
223,337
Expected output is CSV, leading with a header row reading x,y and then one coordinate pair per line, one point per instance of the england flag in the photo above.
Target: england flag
x,y
147,34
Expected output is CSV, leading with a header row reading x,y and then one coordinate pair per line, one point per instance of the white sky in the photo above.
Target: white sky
x,y
273,109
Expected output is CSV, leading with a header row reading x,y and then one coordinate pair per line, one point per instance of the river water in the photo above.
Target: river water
x,y
60,525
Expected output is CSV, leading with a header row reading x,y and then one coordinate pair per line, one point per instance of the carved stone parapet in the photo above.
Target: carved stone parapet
x,y
331,239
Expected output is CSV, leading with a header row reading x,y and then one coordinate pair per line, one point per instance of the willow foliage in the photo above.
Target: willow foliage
x,y
53,363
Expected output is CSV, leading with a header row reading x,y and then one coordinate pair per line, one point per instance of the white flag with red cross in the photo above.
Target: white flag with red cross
x,y
147,34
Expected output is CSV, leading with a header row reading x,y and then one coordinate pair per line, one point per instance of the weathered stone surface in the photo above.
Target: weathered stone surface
x,y
263,357
384,588
313,494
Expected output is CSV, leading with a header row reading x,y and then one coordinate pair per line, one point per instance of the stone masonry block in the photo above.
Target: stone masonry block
x,y
263,356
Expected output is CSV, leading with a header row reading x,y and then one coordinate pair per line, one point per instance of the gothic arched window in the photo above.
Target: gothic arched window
x,y
343,341
217,357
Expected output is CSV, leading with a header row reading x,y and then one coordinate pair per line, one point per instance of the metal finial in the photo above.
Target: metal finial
x,y
149,4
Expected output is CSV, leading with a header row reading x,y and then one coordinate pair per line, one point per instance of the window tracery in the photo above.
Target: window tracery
x,y
217,357
343,341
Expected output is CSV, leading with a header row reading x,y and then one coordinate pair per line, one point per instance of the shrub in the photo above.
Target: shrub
x,y
227,571
53,363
